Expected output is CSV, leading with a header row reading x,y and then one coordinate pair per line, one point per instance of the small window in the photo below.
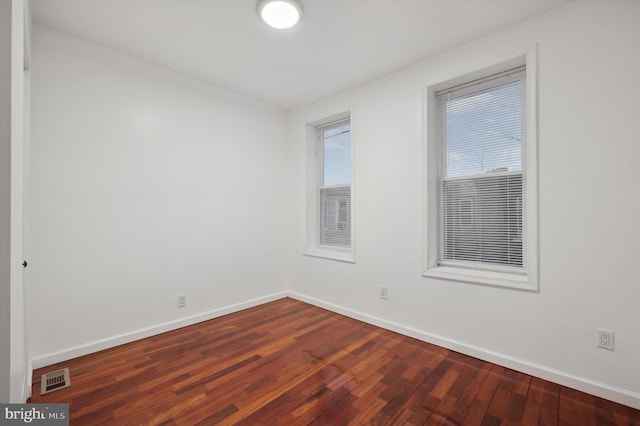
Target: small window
x,y
481,180
334,190
330,178
482,138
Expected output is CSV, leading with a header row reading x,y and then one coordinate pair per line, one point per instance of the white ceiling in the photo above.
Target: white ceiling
x,y
340,44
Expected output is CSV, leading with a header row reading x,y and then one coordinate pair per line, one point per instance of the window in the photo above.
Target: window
x,y
481,134
481,180
330,204
335,186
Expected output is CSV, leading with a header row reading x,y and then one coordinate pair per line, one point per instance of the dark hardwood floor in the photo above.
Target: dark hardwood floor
x,y
290,363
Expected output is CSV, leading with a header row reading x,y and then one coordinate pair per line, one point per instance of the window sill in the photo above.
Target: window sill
x,y
490,278
339,255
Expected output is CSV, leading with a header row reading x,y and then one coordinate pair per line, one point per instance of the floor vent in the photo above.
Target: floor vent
x,y
55,380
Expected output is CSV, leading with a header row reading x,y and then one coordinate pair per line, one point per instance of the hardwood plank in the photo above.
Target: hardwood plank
x,y
531,411
440,415
576,408
289,363
475,374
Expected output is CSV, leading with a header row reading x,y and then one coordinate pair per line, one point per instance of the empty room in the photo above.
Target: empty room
x,y
325,212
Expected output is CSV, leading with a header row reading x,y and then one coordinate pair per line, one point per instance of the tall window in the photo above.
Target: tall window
x,y
334,189
481,134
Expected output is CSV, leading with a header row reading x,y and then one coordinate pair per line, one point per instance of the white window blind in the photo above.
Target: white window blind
x,y
482,175
334,192
335,216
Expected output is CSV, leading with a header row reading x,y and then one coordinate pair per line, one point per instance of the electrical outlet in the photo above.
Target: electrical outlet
x,y
384,292
606,339
182,301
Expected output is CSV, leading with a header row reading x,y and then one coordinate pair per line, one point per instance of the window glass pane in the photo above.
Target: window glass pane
x,y
337,155
482,220
481,129
484,131
335,216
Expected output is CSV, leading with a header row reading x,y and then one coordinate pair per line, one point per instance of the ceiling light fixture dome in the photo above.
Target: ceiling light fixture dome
x,y
280,14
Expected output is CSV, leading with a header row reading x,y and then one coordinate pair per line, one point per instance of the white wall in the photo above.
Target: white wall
x,y
145,184
589,207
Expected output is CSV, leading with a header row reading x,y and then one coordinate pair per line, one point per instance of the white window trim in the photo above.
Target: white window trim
x,y
431,224
314,176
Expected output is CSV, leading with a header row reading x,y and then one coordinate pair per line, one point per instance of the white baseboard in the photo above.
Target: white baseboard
x,y
98,345
602,390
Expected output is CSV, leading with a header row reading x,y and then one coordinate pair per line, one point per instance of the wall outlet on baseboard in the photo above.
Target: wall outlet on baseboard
x,y
384,292
182,301
606,339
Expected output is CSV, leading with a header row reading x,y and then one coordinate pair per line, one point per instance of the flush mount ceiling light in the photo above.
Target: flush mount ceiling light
x,y
280,14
